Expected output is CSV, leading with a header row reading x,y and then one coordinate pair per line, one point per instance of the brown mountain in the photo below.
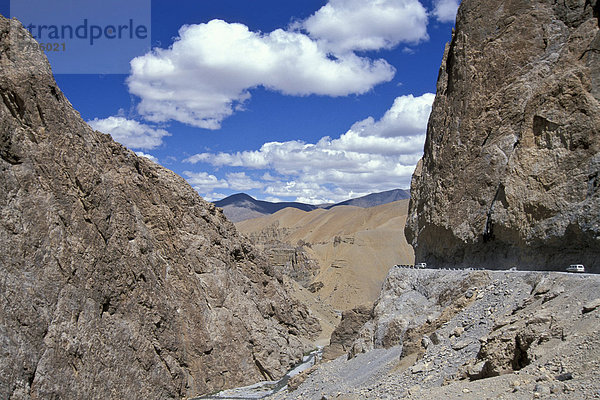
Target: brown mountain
x,y
240,207
354,247
116,279
511,170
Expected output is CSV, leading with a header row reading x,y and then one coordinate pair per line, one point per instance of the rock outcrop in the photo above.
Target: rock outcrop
x,y
345,333
414,303
511,170
291,260
116,279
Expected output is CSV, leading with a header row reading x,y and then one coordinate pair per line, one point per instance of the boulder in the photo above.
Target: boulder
x,y
346,332
591,305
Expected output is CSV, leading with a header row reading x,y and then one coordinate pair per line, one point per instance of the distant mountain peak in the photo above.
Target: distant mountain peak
x,y
240,196
375,199
241,206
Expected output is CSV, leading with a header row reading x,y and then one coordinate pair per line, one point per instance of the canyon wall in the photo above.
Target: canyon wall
x,y
511,170
116,279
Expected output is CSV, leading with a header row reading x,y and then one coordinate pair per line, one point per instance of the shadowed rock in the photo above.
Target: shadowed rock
x,y
345,333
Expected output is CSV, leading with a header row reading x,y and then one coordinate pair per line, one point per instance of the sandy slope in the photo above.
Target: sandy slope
x,y
355,247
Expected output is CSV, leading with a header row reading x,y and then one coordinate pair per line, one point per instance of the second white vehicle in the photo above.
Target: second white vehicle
x,y
576,268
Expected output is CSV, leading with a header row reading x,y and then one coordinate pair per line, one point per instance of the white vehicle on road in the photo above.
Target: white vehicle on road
x,y
576,268
421,265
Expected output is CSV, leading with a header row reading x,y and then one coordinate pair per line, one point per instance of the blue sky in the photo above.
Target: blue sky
x,y
313,101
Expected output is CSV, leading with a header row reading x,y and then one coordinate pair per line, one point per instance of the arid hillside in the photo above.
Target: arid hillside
x,y
354,247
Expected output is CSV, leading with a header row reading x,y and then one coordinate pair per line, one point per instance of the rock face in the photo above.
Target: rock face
x,y
345,333
511,170
414,303
290,260
116,279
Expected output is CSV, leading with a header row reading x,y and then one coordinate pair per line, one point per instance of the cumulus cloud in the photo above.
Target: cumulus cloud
x,y
445,10
148,156
204,182
351,25
310,192
371,156
240,181
207,73
214,196
130,133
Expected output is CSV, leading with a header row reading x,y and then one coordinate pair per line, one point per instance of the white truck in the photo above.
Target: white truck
x,y
421,265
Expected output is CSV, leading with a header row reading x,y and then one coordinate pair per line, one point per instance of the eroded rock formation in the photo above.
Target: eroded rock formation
x,y
116,279
290,260
511,170
414,303
344,334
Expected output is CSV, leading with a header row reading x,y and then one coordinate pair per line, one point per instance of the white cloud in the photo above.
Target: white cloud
x,y
370,156
148,156
268,177
445,10
307,192
240,181
130,133
273,199
212,197
350,25
207,72
204,182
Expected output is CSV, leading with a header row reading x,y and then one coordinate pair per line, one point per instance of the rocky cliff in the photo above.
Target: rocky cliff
x,y
116,279
511,170
290,260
